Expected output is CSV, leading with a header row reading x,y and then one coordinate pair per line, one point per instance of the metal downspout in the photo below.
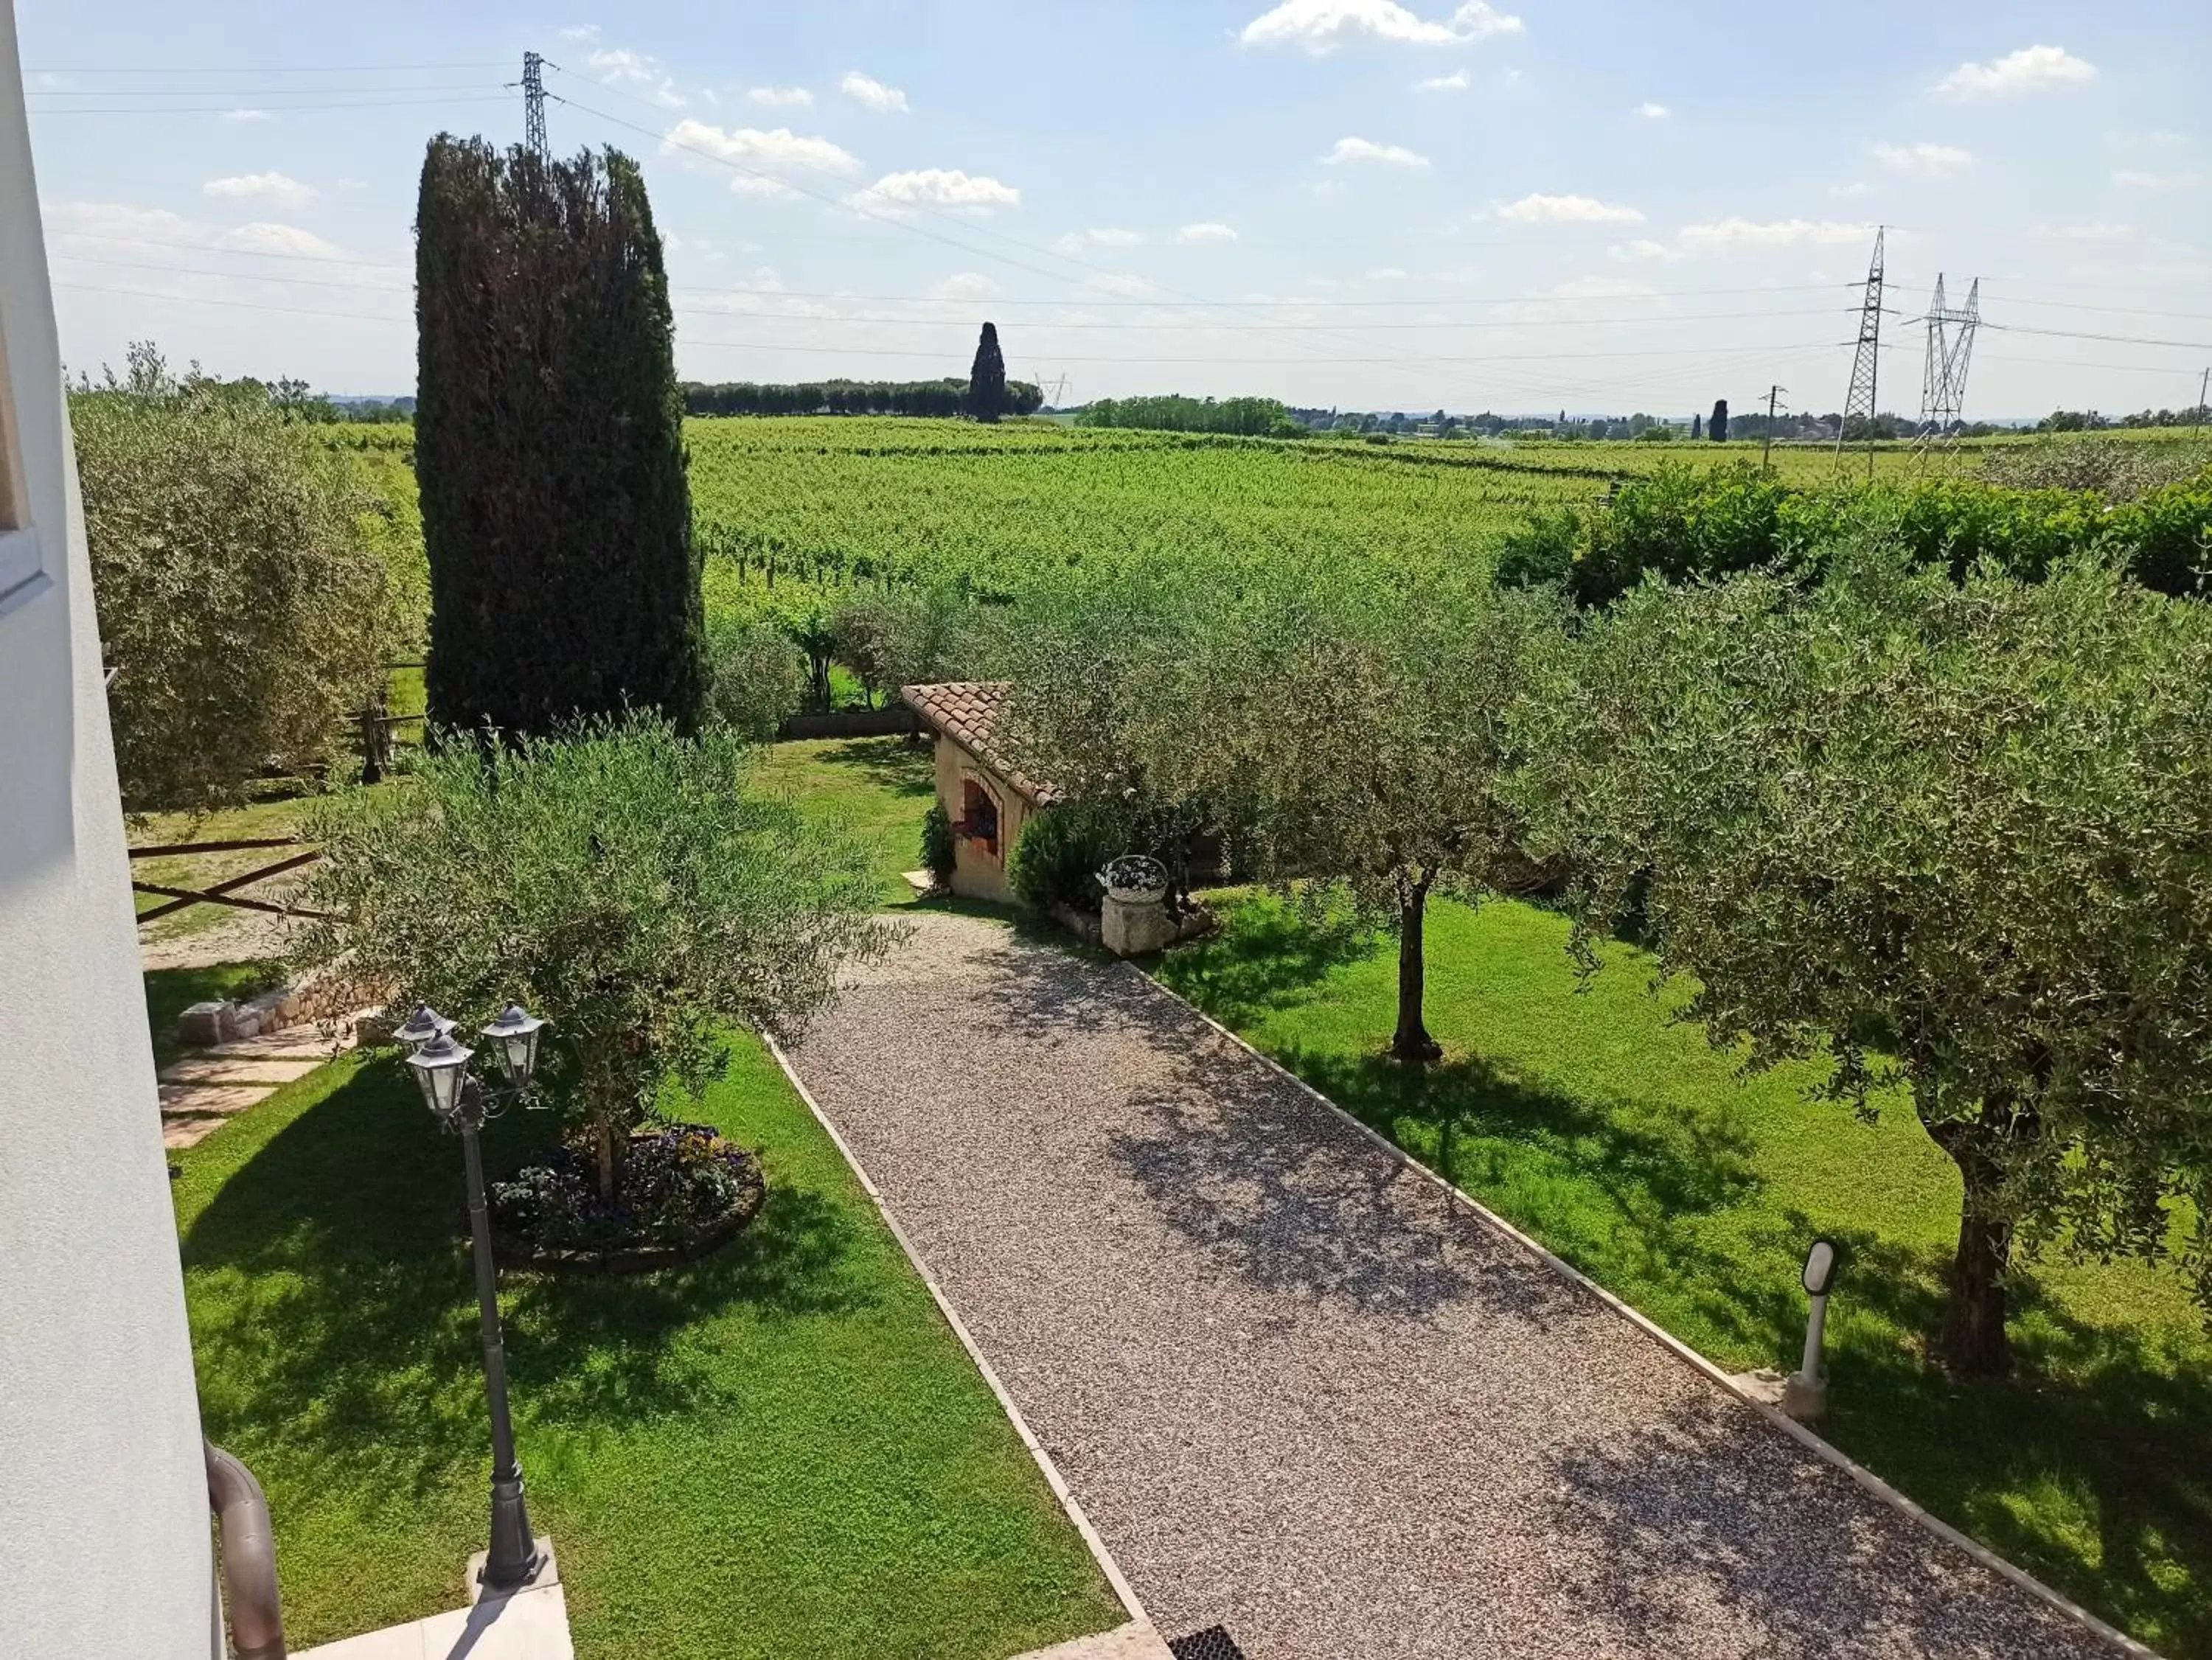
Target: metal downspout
x,y
248,1556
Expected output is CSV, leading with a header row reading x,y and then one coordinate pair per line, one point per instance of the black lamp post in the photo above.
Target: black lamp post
x,y
462,1105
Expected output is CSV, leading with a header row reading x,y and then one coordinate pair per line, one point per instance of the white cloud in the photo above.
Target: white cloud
x,y
1770,233
1537,209
579,32
2129,179
965,285
619,66
935,187
1641,250
240,117
264,237
768,190
1122,284
1651,111
111,219
1925,160
1113,236
782,98
2024,70
1856,187
1457,80
276,189
1362,150
2097,232
1599,288
1320,27
1206,230
1387,274
777,150
872,93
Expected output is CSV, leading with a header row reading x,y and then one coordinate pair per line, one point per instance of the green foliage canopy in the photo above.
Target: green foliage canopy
x,y
242,597
622,881
549,445
1957,836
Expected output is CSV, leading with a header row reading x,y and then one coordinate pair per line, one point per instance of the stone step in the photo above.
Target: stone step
x,y
203,1069
299,1043
1135,1641
202,1100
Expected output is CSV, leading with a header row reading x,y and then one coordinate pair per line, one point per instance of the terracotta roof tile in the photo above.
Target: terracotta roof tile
x,y
967,712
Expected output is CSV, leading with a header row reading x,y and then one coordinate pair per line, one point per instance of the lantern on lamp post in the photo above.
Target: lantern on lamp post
x,y
461,1104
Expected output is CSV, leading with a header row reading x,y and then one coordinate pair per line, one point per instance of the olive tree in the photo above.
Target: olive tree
x,y
622,881
1338,730
242,602
1953,838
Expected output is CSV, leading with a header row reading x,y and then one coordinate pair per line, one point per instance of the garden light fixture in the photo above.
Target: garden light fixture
x,y
462,1104
1805,1393
424,1024
515,1035
441,1072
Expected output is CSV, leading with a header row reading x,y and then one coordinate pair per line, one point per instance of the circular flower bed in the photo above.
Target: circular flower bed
x,y
681,1192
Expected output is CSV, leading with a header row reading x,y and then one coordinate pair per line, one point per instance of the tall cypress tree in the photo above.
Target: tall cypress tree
x,y
1716,428
987,381
549,445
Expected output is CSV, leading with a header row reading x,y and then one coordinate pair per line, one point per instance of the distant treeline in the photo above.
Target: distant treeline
x,y
894,397
1248,417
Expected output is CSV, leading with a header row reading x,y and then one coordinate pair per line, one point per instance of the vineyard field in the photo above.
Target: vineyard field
x,y
831,502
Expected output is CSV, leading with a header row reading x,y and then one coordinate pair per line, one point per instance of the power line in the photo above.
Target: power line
x,y
274,109
962,323
783,346
247,92
281,68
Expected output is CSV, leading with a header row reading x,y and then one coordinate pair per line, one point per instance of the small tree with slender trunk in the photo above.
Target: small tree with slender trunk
x,y
1957,839
1347,734
987,380
631,886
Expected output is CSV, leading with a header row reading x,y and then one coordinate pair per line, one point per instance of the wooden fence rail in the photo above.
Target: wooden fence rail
x,y
224,891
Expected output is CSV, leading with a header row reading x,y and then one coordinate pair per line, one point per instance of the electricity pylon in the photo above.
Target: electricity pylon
x,y
533,106
1866,364
1950,349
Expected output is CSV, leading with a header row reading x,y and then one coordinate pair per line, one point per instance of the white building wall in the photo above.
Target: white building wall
x,y
103,1535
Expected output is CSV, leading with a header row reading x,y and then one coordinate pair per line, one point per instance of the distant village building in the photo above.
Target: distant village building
x,y
987,798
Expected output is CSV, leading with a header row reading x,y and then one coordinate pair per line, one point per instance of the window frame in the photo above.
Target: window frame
x,y
22,565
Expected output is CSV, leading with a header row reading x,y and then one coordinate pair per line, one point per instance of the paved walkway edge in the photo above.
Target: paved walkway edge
x,y
1818,1448
1057,1482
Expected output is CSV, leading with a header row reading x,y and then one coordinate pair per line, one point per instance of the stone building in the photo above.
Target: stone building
x,y
987,798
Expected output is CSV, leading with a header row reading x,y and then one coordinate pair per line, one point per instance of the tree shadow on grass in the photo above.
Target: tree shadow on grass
x,y
334,1311
1267,957
889,763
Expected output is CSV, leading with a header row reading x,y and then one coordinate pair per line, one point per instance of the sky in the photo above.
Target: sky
x,y
1517,205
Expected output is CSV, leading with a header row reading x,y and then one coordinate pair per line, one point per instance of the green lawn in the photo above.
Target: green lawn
x,y
1628,1145
875,789
780,1450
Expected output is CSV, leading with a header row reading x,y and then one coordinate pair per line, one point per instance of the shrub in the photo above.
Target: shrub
x,y
1057,860
939,848
621,881
548,444
755,677
1543,550
245,609
675,1183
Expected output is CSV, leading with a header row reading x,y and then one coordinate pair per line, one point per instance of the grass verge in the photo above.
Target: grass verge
x,y
1632,1147
778,1450
877,790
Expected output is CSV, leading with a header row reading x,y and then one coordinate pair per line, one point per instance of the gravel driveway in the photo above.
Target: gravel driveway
x,y
1303,1395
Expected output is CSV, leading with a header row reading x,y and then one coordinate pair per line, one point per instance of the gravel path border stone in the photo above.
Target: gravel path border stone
x,y
1304,1392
